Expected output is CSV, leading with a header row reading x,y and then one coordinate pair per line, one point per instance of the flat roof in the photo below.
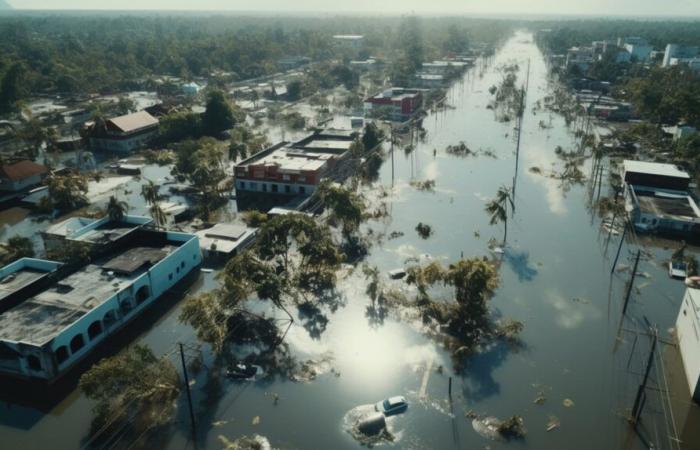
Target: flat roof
x,y
19,279
663,204
224,237
129,123
328,144
652,168
288,159
41,318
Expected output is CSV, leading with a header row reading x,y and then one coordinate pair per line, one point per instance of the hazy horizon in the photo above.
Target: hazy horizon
x,y
632,8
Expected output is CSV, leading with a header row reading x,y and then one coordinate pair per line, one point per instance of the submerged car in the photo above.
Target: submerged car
x,y
243,371
392,405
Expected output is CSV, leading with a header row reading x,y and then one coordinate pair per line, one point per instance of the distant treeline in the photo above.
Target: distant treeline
x,y
110,52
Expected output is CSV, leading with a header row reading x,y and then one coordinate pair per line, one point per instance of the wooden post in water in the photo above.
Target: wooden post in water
x,y
449,388
631,283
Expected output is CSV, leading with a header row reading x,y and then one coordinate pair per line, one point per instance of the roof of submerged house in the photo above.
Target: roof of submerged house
x,y
22,170
133,122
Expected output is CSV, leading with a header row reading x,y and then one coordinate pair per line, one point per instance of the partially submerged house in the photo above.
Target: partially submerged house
x,y
398,104
294,168
657,198
225,240
688,336
123,134
21,176
52,315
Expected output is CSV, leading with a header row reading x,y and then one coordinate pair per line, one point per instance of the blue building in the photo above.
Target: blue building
x,y
52,315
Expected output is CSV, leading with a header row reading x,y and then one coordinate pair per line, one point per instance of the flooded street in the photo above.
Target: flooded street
x,y
555,278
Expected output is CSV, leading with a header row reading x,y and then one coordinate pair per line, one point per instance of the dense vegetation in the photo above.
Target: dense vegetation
x,y
108,53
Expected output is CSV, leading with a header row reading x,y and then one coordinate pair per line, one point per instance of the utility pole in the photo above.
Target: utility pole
x,y
189,396
640,399
631,283
617,255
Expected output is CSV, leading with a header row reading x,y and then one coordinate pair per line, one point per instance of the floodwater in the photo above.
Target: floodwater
x,y
555,278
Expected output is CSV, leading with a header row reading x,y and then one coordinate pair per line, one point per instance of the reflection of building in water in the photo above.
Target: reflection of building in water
x,y
53,315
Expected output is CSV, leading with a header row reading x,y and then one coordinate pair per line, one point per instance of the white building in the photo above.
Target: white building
x,y
688,335
639,52
581,57
52,316
678,52
124,134
225,240
350,40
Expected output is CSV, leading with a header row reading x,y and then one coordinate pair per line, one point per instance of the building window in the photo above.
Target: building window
x,y
33,362
170,276
287,189
241,184
76,343
264,187
94,329
302,190
142,294
177,269
194,256
61,354
301,179
253,186
182,264
274,188
285,177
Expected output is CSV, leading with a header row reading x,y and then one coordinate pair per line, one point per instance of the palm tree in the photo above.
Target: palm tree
x,y
15,248
149,192
116,209
158,215
498,208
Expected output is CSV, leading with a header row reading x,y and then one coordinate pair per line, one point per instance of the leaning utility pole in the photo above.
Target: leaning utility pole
x,y
640,399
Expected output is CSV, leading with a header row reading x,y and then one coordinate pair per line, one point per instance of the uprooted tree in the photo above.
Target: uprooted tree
x,y
463,316
294,261
134,385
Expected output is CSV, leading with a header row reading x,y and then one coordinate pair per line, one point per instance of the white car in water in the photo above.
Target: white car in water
x,y
392,405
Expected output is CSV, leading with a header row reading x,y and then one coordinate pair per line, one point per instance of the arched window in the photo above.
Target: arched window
x,y
33,362
76,343
142,294
94,329
61,354
109,318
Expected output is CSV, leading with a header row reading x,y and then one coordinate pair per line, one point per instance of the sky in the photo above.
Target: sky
x,y
554,7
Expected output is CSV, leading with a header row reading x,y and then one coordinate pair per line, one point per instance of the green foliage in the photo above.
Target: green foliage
x,y
178,126
13,87
666,95
116,209
424,230
344,205
70,252
135,380
218,115
255,218
294,90
372,136
67,192
294,259
15,248
499,206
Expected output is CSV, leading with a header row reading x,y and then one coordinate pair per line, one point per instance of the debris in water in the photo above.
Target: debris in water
x,y
568,403
256,420
424,230
540,399
368,426
553,423
255,442
495,429
219,423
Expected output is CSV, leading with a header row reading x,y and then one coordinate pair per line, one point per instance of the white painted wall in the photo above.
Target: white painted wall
x,y
688,333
